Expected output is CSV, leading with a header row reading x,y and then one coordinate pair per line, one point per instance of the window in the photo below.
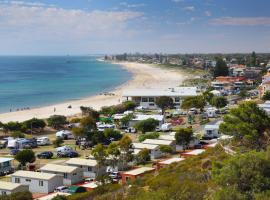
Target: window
x,y
144,99
65,175
89,169
4,193
151,99
28,180
17,180
40,183
177,99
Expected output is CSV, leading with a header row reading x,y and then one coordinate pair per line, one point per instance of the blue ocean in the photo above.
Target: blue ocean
x,y
33,81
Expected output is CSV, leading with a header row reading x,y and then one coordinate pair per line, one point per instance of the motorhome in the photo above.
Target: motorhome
x,y
65,134
43,141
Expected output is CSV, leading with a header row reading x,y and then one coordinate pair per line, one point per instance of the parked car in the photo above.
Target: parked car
x,y
14,151
63,189
64,149
88,180
45,155
115,176
65,134
43,141
71,154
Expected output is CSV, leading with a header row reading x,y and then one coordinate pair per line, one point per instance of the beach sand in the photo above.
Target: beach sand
x,y
144,76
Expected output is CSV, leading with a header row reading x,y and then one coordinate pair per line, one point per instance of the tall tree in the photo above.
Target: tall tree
x,y
221,68
100,154
146,125
219,102
125,145
194,102
57,121
253,61
25,156
164,103
113,151
183,137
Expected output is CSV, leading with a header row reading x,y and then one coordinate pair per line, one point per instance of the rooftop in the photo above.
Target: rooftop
x,y
8,185
157,142
58,168
2,160
172,92
34,175
144,146
81,161
139,171
194,152
167,137
144,117
171,160
51,196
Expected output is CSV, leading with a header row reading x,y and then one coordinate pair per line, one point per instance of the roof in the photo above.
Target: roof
x,y
158,142
81,161
144,117
8,185
51,196
34,175
171,160
58,168
2,160
172,92
167,137
139,171
195,152
144,146
91,185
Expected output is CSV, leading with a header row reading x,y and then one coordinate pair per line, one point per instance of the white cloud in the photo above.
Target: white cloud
x,y
177,1
208,13
189,8
241,21
132,5
24,3
54,24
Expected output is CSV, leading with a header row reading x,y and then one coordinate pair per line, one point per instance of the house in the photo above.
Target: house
x,y
38,182
263,88
89,167
154,149
147,97
5,166
140,117
161,142
136,174
237,70
7,188
265,106
71,175
169,161
211,130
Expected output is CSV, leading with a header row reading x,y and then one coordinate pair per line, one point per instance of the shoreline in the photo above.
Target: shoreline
x,y
143,76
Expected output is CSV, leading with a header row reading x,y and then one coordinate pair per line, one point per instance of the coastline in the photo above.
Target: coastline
x,y
143,76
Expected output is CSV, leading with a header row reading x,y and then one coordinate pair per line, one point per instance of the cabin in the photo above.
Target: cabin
x,y
154,149
134,174
7,188
161,142
146,98
71,175
89,167
169,161
37,182
211,130
6,166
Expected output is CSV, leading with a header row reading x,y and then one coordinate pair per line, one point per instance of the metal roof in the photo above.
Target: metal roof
x,y
140,117
139,171
144,146
171,160
172,92
81,161
167,137
8,185
34,175
157,142
2,160
58,168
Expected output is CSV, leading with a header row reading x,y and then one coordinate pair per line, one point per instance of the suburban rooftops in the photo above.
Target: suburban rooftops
x,y
171,160
81,161
58,168
144,146
139,171
8,185
157,142
34,175
5,159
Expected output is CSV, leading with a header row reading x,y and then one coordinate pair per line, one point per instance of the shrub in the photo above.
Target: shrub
x,y
58,142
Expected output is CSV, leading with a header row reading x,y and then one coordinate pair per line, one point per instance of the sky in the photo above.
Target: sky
x,y
79,27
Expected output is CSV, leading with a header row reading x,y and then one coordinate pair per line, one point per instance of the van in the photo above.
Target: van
x,y
65,134
43,141
64,149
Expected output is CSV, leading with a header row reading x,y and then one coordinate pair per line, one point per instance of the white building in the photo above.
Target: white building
x,y
71,175
265,106
211,130
38,182
89,167
147,97
7,188
5,166
154,149
140,117
161,142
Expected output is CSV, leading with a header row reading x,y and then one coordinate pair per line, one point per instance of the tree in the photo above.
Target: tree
x,y
147,125
125,145
126,119
58,142
26,195
266,96
166,149
219,102
25,156
113,151
194,102
60,197
253,61
153,135
249,125
88,124
111,133
88,111
99,152
183,137
208,95
57,121
164,103
221,68
17,134
34,123
143,156
12,126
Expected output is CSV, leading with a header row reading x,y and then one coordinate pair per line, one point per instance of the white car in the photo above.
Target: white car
x,y
43,141
63,189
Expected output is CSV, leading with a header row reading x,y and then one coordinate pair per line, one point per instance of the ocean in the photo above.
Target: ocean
x,y
34,81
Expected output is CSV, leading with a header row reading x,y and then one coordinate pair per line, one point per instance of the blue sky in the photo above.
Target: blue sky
x,y
53,27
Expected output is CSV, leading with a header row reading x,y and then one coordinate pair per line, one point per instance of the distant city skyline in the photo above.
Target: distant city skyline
x,y
53,27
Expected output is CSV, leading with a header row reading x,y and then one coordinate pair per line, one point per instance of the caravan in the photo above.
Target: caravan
x,y
43,141
65,134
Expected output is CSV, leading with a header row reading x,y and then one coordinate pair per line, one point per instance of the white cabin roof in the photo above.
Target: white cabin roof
x,y
144,117
139,171
171,160
82,161
58,168
167,137
144,146
195,152
157,142
34,175
172,92
8,185
2,160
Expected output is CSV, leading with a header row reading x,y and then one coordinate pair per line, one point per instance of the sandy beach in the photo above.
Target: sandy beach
x,y
144,76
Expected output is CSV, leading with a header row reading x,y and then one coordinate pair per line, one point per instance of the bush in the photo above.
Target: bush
x,y
57,121
25,156
120,108
166,149
111,133
34,124
17,196
58,142
146,125
17,134
75,120
153,135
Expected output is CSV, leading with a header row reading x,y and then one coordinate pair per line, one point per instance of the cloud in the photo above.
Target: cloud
x,y
208,13
177,1
189,8
241,21
132,5
24,3
51,23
